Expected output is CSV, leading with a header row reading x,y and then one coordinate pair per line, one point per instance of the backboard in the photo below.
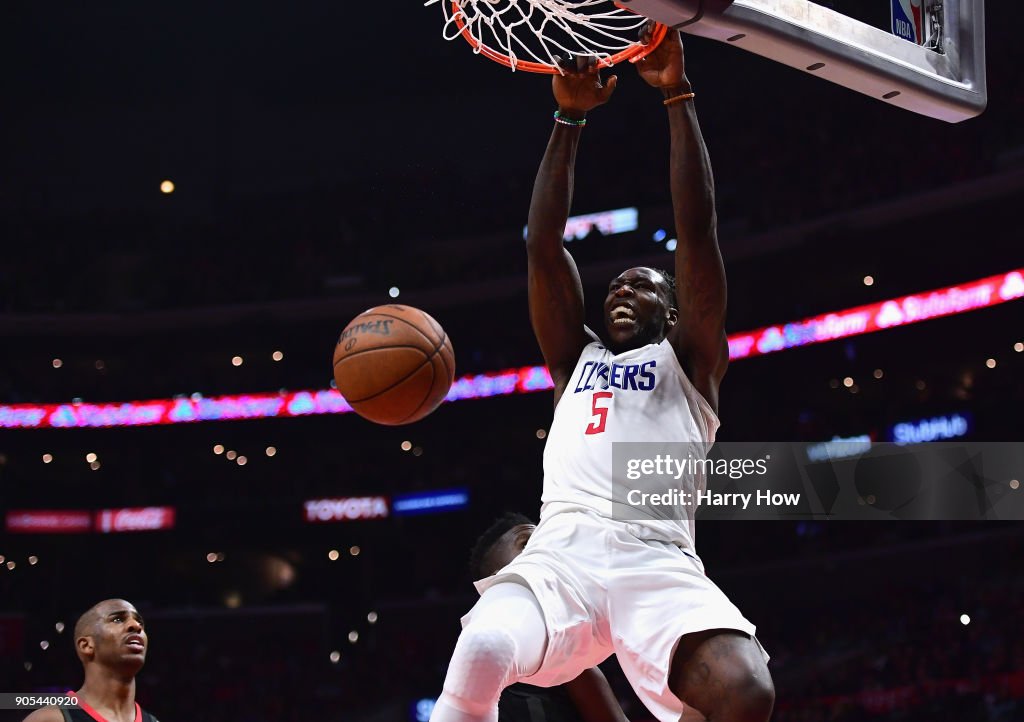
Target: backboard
x,y
936,68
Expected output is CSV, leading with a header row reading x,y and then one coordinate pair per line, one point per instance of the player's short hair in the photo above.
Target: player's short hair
x,y
669,285
85,625
478,554
86,621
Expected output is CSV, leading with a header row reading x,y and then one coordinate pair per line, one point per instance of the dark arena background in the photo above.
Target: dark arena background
x,y
302,564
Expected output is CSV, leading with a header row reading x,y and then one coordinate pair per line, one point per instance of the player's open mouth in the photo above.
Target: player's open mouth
x,y
135,644
622,315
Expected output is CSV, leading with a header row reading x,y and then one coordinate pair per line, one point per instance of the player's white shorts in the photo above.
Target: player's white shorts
x,y
605,591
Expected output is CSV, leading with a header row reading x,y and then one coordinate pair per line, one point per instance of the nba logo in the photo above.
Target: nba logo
x,y
907,20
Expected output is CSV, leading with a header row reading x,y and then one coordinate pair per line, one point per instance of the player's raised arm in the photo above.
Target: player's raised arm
x,y
699,336
556,294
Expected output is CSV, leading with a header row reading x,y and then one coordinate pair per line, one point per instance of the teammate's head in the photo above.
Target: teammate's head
x,y
640,308
111,634
499,544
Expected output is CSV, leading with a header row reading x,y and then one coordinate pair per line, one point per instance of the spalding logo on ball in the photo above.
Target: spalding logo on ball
x,y
394,364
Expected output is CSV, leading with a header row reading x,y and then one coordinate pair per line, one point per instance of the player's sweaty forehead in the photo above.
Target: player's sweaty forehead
x,y
110,607
632,274
641,273
103,612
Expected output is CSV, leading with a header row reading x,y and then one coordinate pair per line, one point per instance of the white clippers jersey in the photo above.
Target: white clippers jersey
x,y
642,395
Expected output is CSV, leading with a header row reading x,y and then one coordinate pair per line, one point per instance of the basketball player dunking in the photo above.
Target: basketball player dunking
x,y
111,643
586,585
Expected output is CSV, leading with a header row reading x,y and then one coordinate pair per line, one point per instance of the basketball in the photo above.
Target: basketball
x,y
394,364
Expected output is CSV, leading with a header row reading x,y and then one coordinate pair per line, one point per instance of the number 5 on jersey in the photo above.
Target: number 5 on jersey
x,y
600,413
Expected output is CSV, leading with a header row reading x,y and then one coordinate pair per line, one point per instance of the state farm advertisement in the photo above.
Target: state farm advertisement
x,y
48,521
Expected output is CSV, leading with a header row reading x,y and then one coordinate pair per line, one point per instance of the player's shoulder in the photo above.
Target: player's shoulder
x,y
593,345
46,714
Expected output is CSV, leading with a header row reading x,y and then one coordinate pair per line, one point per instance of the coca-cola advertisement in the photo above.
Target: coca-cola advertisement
x,y
148,518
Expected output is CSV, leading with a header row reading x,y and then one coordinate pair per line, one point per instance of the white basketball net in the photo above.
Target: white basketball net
x,y
537,30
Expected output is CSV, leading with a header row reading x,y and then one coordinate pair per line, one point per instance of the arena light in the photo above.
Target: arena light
x,y
881,316
938,428
430,502
423,708
346,509
134,519
47,521
607,223
839,448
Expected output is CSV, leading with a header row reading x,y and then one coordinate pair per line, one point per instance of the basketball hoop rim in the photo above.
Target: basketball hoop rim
x,y
633,53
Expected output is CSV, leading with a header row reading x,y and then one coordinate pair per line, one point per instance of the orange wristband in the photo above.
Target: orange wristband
x,y
678,98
